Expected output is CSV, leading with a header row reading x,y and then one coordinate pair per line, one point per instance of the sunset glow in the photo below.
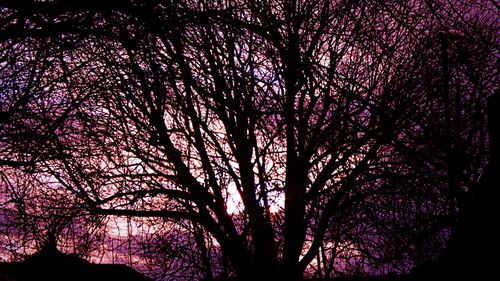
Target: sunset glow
x,y
273,140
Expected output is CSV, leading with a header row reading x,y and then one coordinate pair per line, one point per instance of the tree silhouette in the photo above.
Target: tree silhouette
x,y
326,122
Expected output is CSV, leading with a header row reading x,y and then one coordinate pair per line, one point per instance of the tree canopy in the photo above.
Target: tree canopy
x,y
330,136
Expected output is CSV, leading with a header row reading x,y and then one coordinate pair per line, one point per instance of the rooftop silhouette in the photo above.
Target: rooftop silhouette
x,y
51,264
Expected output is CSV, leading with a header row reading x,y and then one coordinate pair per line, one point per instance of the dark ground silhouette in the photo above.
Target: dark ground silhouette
x,y
50,264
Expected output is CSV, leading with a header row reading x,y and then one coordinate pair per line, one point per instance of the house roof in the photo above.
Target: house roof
x,y
51,264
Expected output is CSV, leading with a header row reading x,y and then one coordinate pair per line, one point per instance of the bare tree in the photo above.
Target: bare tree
x,y
317,119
